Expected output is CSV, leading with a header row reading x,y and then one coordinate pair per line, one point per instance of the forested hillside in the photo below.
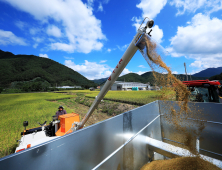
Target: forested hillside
x,y
148,77
19,68
216,77
209,72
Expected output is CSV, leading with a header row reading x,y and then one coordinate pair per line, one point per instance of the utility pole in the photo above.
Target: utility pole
x,y
185,70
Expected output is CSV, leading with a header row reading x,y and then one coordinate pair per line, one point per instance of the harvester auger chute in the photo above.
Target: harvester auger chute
x,y
136,43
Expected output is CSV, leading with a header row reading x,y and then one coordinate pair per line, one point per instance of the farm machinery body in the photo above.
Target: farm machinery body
x,y
44,133
126,141
203,90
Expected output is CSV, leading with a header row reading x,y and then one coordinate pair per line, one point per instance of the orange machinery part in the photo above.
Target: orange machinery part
x,y
66,122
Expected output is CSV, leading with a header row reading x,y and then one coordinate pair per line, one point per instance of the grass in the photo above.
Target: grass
x,y
16,108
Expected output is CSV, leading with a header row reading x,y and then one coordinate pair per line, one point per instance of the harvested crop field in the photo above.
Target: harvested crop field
x,y
130,97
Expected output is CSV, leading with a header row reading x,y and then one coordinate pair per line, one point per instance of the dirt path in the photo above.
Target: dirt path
x,y
111,109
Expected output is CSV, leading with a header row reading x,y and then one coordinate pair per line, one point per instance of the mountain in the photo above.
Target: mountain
x,y
131,77
216,77
100,81
209,72
149,77
23,68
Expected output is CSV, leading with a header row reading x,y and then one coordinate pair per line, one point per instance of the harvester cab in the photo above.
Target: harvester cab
x,y
203,90
44,133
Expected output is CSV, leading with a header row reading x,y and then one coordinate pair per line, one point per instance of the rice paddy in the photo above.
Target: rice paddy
x,y
16,108
131,97
39,107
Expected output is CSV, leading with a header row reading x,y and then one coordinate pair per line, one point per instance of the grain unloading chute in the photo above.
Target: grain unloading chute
x,y
137,43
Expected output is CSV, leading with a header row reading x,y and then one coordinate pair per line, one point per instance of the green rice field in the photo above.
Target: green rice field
x,y
131,97
16,108
40,107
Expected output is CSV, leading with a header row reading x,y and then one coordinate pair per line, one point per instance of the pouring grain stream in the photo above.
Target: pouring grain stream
x,y
169,83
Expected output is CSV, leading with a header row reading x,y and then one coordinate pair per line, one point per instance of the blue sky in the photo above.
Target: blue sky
x,y
90,36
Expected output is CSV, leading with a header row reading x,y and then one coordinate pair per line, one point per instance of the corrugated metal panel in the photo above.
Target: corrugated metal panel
x,y
211,135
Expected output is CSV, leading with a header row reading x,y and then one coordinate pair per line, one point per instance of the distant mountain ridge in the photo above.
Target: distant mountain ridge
x,y
216,77
148,77
100,81
209,72
18,68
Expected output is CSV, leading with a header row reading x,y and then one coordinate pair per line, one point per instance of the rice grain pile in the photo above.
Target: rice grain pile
x,y
184,163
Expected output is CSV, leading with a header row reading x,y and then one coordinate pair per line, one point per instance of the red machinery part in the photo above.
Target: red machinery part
x,y
201,83
20,150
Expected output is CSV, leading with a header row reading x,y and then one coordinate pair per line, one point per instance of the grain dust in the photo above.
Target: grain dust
x,y
187,131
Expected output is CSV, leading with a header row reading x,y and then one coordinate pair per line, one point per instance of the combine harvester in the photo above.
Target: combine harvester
x,y
203,90
127,141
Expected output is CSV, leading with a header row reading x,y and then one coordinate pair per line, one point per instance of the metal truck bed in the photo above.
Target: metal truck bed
x,y
118,143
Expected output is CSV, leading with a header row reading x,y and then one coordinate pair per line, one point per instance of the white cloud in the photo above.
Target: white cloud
x,y
125,71
175,72
100,8
43,55
68,58
94,70
20,24
142,66
54,31
90,70
207,61
103,61
37,41
200,40
34,31
197,64
35,45
105,1
151,8
8,38
140,72
63,47
193,5
109,50
82,29
90,3
197,70
123,48
157,34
